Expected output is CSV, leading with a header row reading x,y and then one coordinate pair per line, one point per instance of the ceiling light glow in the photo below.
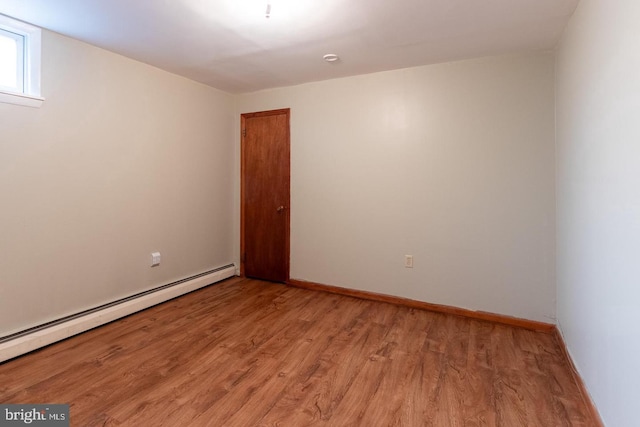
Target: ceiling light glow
x,y
267,24
234,13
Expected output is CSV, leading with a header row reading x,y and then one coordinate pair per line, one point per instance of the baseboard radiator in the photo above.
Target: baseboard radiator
x,y
33,338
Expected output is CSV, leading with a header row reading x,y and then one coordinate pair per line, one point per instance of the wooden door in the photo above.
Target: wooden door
x,y
265,195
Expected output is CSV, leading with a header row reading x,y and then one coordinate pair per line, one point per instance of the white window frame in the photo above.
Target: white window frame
x,y
30,95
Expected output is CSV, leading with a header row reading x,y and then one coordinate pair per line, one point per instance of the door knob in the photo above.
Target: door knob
x,y
280,209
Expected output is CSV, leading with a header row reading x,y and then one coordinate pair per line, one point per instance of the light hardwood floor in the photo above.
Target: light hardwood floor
x,y
250,353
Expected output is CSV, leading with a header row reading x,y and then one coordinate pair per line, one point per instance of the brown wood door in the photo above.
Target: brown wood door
x,y
265,195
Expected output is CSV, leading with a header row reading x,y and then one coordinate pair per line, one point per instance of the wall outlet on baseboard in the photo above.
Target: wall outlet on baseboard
x,y
408,261
155,259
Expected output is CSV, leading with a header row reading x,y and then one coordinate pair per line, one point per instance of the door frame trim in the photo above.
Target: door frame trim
x,y
243,118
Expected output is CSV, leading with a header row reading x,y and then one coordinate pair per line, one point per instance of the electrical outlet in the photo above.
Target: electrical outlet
x,y
408,261
155,259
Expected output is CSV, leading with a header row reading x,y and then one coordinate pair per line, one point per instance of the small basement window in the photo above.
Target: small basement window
x,y
19,63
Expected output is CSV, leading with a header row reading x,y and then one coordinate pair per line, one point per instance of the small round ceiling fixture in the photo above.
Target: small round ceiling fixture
x,y
331,57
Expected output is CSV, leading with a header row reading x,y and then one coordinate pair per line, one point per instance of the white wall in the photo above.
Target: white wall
x,y
121,160
598,168
451,163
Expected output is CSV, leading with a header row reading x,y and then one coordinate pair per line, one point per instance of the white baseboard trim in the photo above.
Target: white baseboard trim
x,y
43,337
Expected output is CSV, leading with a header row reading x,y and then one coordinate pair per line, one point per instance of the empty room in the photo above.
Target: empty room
x,y
341,213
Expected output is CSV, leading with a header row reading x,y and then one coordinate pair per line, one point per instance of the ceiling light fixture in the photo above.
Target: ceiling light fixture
x,y
268,13
331,57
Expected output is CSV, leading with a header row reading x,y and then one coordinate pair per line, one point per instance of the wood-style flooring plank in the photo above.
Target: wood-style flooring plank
x,y
251,353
